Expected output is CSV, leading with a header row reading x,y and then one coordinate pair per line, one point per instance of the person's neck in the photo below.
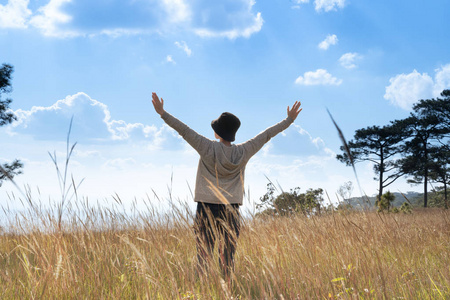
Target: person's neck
x,y
226,143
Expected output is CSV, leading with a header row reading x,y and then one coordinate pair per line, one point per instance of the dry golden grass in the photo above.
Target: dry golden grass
x,y
101,253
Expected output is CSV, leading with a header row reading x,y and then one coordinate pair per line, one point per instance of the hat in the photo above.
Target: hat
x,y
226,126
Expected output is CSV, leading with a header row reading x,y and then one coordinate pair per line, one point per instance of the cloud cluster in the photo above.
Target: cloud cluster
x,y
406,89
348,60
91,123
50,17
311,146
318,77
183,46
256,25
297,142
329,40
328,5
14,14
70,18
323,5
169,59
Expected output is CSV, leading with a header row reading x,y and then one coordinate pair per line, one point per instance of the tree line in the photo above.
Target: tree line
x,y
417,147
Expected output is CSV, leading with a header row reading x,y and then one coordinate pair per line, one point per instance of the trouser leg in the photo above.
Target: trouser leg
x,y
204,236
229,232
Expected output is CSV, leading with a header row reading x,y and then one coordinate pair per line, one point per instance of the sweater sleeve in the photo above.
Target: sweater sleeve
x,y
200,143
253,145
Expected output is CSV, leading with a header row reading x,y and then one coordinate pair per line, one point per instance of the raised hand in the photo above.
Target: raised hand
x,y
293,113
158,105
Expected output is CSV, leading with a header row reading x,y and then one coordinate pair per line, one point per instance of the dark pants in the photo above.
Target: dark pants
x,y
217,223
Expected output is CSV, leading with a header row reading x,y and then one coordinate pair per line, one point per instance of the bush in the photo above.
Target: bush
x,y
291,202
385,202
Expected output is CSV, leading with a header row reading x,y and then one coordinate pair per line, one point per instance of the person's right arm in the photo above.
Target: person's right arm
x,y
198,142
255,144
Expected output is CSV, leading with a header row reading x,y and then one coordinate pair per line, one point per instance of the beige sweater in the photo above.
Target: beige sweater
x,y
220,174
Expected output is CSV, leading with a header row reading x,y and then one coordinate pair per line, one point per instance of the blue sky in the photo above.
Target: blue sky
x,y
99,61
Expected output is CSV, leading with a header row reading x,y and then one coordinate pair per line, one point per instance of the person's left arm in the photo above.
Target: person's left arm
x,y
255,144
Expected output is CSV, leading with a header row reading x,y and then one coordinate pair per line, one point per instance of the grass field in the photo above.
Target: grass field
x,y
101,253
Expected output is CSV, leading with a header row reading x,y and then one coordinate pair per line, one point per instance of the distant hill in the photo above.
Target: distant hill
x,y
414,198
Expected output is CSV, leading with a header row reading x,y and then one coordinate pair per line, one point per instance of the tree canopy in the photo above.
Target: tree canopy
x,y
426,129
7,170
378,145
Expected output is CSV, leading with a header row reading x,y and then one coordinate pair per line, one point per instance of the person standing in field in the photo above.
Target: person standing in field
x,y
219,187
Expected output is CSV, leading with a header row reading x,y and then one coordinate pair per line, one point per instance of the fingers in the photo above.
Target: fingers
x,y
296,106
156,101
158,104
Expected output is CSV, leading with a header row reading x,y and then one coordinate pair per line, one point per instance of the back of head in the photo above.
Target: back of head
x,y
226,126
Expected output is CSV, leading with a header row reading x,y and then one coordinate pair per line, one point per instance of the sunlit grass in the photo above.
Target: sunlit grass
x,y
105,253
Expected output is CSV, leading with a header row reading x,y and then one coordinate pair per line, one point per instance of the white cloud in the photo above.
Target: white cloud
x,y
318,77
235,32
183,46
177,10
298,3
92,123
298,142
317,141
347,60
69,18
118,32
169,59
329,40
328,5
50,17
14,14
406,89
321,5
442,79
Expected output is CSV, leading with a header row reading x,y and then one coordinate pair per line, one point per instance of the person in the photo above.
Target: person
x,y
219,188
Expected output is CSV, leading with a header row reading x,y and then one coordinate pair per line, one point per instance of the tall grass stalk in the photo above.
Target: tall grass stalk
x,y
66,186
